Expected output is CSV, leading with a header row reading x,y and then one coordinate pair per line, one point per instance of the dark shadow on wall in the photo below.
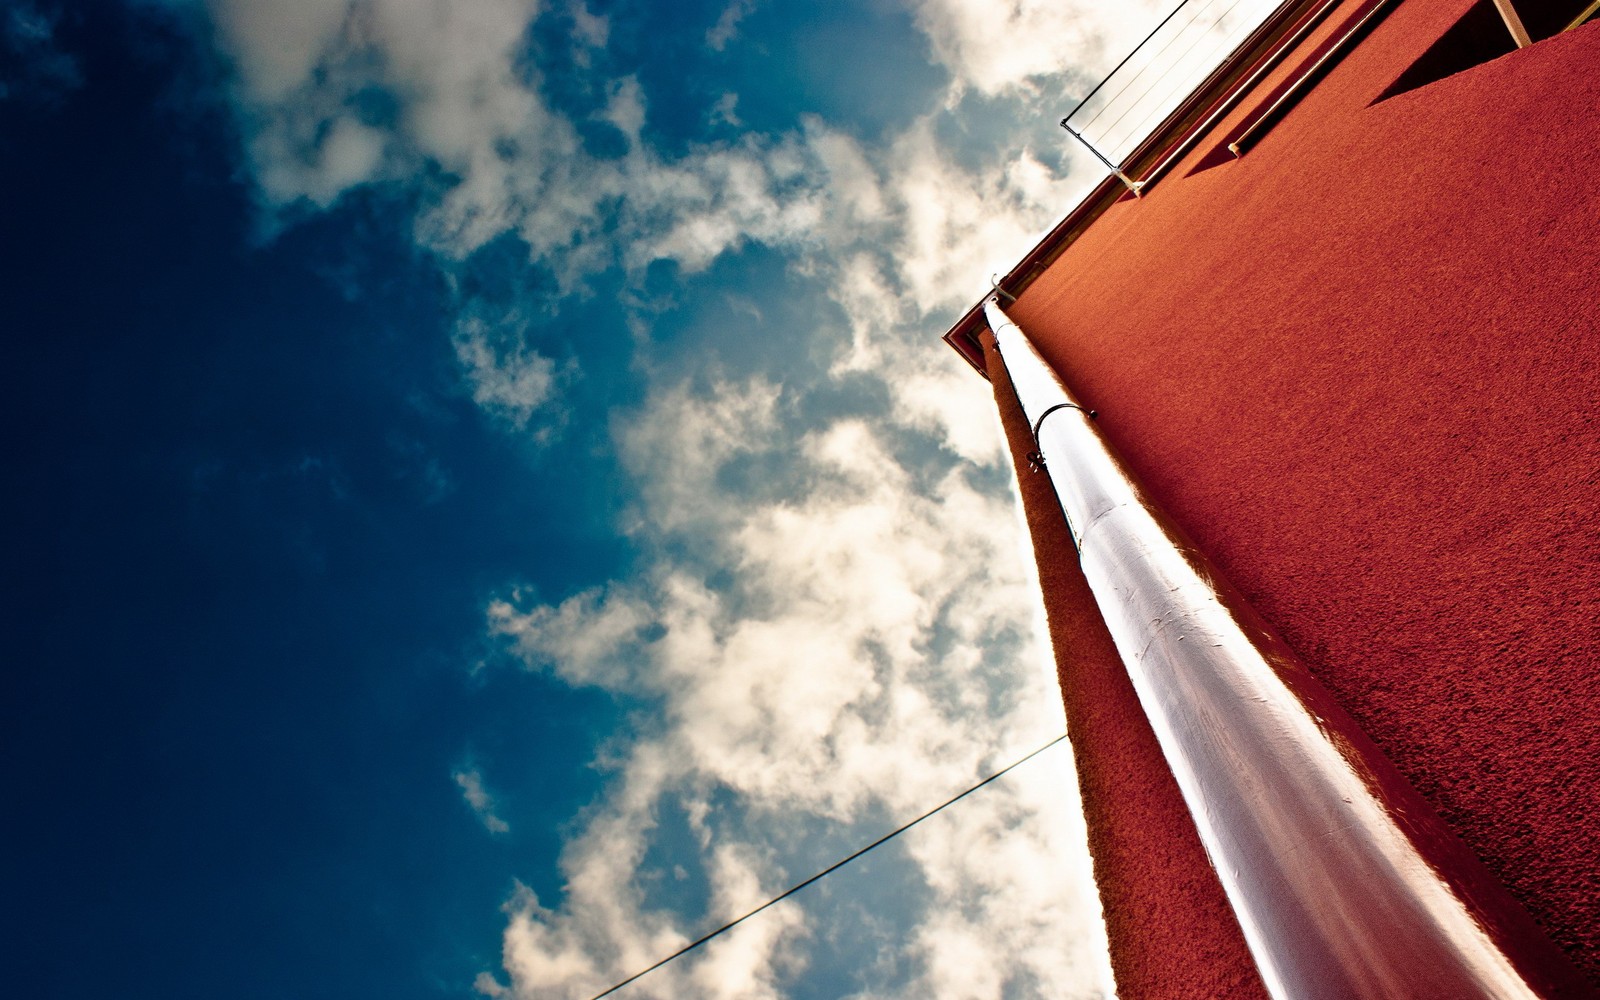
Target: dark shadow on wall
x,y
1280,100
1480,36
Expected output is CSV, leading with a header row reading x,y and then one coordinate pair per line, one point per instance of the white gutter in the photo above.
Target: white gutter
x,y
1346,883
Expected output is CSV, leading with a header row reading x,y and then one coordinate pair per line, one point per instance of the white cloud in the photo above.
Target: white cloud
x,y
471,784
855,643
725,111
727,27
898,230
676,447
945,402
958,228
861,662
508,377
277,46
467,108
592,30
585,639
995,47
626,109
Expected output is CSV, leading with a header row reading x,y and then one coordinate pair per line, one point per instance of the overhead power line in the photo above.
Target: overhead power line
x,y
691,946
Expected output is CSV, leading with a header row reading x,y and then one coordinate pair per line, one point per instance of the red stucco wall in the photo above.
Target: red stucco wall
x,y
1361,367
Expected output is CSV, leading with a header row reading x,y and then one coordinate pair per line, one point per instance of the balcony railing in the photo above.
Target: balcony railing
x,y
1148,86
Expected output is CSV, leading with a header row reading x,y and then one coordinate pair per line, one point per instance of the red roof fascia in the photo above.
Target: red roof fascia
x,y
964,335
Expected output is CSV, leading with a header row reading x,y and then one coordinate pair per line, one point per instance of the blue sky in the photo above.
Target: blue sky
x,y
488,501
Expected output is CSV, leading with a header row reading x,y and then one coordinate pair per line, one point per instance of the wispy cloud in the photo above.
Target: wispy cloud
x,y
625,108
725,111
471,784
590,29
505,374
33,66
727,26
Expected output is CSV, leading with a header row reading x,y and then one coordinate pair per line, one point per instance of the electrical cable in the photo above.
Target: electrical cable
x,y
828,870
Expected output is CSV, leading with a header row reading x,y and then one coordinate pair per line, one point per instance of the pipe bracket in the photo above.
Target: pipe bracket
x,y
1091,414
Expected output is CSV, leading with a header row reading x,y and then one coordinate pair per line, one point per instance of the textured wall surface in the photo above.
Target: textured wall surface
x,y
1361,367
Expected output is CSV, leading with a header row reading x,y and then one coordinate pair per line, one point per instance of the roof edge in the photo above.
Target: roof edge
x,y
1272,40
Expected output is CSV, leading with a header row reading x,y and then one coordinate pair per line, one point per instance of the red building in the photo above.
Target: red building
x,y
1347,337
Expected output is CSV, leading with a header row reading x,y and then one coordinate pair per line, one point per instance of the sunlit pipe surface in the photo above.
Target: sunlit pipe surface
x,y
1346,883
